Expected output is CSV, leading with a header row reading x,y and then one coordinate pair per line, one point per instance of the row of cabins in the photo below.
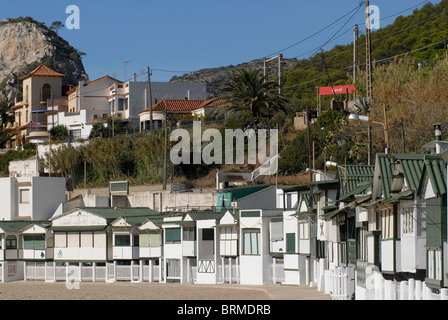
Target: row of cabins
x,y
363,232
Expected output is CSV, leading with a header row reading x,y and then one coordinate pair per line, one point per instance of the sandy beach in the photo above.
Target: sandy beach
x,y
36,290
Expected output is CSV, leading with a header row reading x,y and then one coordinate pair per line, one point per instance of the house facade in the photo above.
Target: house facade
x,y
40,86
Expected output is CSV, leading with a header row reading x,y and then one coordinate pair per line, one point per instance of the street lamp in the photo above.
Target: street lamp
x,y
336,165
355,118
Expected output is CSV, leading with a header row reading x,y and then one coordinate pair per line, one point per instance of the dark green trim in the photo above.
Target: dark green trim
x,y
287,269
276,254
250,214
173,280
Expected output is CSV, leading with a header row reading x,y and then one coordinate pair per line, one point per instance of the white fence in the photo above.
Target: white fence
x,y
52,271
340,279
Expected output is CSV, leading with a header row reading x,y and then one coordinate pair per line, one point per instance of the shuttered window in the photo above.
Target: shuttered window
x,y
60,240
155,239
34,242
144,240
86,240
99,240
73,240
172,235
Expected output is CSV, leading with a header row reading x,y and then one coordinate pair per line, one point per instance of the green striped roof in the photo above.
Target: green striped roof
x,y
17,226
114,213
205,215
435,168
409,167
352,177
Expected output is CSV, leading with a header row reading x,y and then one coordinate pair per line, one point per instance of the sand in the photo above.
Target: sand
x,y
39,290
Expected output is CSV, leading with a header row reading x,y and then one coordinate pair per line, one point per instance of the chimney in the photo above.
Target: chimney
x,y
134,77
438,134
438,131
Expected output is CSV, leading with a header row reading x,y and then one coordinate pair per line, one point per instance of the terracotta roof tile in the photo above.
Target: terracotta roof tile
x,y
43,71
176,105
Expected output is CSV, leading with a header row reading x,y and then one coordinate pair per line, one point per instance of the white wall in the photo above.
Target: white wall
x,y
48,193
8,198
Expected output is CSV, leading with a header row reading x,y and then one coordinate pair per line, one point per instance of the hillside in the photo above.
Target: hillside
x,y
24,44
215,77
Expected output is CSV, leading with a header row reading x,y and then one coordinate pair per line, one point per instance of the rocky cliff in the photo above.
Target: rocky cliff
x,y
24,44
215,77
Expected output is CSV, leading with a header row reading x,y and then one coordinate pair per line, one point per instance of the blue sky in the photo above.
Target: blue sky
x,y
188,35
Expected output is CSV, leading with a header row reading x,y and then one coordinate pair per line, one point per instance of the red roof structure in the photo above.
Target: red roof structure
x,y
42,71
185,105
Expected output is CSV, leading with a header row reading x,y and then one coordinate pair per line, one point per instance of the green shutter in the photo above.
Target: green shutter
x,y
28,242
172,235
290,242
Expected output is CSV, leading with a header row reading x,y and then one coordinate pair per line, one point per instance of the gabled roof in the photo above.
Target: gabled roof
x,y
205,215
17,226
42,71
435,168
214,102
392,170
353,176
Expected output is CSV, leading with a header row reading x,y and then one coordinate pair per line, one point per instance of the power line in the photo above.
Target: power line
x,y
377,39
377,61
311,36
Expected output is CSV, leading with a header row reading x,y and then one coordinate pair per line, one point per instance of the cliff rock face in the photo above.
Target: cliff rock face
x,y
24,44
216,77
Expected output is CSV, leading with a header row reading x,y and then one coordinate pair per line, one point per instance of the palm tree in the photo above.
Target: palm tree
x,y
6,117
249,92
6,114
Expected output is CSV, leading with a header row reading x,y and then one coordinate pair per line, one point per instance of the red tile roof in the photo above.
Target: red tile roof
x,y
42,71
186,105
176,105
214,102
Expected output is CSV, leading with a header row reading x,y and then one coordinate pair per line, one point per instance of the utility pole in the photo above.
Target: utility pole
x,y
355,52
308,116
150,101
49,138
369,91
368,56
402,135
166,149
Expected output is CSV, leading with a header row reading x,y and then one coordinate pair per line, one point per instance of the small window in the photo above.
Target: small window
x,y
290,242
288,201
11,242
136,240
24,195
120,105
251,242
189,233
122,240
208,234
